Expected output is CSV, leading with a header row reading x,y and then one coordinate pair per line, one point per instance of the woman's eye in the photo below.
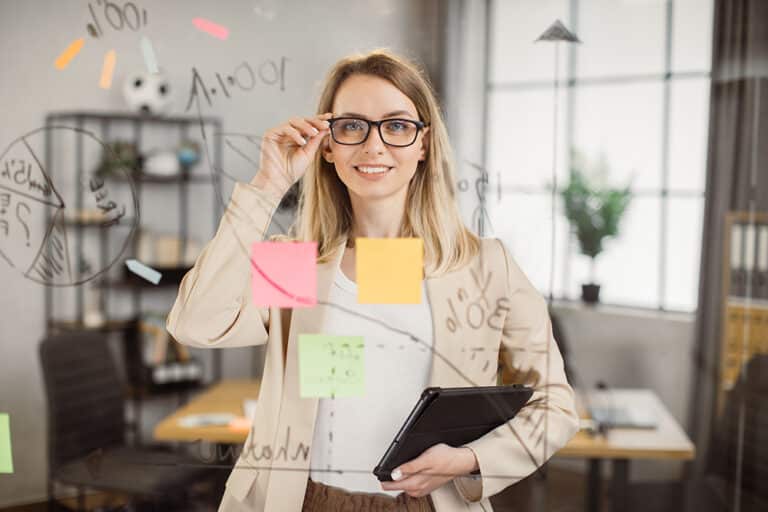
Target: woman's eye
x,y
352,125
397,126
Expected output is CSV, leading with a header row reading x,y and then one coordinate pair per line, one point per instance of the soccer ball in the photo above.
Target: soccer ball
x,y
148,93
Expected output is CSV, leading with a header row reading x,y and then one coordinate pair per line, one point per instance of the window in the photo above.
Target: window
x,y
635,92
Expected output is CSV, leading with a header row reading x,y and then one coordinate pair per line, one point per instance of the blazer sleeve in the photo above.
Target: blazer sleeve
x,y
213,307
529,352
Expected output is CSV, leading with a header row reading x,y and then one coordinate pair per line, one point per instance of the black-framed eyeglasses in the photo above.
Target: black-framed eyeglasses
x,y
351,131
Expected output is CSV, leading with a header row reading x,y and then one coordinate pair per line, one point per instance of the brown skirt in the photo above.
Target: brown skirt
x,y
320,498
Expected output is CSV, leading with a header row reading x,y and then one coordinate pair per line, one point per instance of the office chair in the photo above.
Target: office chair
x,y
740,442
508,376
86,429
562,344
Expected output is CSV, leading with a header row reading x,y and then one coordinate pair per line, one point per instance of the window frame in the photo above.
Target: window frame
x,y
570,83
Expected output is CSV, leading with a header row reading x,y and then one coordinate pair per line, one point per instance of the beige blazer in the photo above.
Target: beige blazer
x,y
480,313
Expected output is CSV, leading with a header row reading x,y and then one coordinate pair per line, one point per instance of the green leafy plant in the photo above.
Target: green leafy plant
x,y
593,208
119,156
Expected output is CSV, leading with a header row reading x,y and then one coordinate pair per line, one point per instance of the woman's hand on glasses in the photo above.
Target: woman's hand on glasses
x,y
288,149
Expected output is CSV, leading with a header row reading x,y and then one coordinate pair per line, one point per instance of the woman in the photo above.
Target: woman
x,y
375,162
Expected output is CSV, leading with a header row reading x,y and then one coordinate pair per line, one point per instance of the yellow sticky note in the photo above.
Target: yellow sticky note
x,y
6,460
389,270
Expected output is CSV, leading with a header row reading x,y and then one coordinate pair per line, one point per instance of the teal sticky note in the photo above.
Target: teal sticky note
x,y
6,460
331,366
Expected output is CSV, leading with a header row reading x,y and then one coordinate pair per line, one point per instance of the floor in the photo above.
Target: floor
x,y
562,491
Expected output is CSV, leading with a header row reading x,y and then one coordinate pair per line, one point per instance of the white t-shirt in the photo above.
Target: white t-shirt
x,y
352,433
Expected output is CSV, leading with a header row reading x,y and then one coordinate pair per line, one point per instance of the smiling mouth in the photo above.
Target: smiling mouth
x,y
372,170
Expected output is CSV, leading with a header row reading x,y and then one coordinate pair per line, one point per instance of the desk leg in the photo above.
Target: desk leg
x,y
594,486
620,485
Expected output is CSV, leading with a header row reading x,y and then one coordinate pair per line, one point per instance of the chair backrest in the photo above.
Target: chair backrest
x,y
84,395
748,400
562,344
511,376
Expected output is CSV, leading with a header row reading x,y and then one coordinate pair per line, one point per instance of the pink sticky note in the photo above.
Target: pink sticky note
x,y
211,28
283,274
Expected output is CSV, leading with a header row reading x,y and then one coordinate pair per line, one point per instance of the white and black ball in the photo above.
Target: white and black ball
x,y
148,93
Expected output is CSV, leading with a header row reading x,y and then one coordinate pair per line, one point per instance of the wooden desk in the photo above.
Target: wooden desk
x,y
225,396
666,442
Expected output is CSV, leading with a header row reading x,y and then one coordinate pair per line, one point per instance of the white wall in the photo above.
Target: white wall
x,y
311,34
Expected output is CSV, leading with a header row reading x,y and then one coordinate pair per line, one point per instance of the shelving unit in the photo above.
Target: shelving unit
x,y
104,125
745,296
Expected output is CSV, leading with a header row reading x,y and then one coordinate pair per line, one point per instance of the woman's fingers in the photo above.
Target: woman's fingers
x,y
304,126
312,129
293,134
287,149
320,123
415,485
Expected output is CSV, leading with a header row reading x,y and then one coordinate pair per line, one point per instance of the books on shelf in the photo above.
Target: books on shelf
x,y
745,295
748,260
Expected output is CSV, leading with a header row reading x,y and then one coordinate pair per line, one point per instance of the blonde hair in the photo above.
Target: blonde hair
x,y
325,211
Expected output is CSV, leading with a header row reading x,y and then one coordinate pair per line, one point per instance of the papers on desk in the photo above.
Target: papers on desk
x,y
222,419
589,425
623,417
249,408
608,411
244,423
206,420
240,424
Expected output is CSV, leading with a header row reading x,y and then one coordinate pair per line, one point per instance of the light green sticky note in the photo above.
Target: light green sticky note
x,y
331,366
6,461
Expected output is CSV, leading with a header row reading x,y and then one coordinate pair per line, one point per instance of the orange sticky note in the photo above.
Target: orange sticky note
x,y
62,61
389,270
108,69
284,274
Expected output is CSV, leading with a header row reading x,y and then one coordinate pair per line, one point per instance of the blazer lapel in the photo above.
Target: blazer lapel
x,y
309,320
449,296
446,342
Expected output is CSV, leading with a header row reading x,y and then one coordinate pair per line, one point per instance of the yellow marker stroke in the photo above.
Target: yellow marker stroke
x,y
62,61
107,69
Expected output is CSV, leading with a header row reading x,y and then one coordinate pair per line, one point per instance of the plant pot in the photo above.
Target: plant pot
x,y
590,293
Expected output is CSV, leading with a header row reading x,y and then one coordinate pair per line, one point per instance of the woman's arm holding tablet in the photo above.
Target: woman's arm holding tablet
x,y
516,449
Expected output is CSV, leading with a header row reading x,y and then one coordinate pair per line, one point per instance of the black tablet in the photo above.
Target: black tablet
x,y
454,416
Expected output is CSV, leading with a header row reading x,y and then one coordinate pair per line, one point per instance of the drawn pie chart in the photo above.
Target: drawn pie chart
x,y
42,234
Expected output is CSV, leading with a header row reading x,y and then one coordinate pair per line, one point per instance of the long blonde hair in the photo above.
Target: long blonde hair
x,y
325,211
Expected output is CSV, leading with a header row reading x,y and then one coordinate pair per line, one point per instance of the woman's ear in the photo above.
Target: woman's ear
x,y
326,149
424,145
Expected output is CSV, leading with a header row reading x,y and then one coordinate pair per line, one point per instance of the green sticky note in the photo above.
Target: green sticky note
x,y
331,366
6,461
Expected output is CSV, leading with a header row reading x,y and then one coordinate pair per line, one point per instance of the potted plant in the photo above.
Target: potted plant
x,y
594,210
